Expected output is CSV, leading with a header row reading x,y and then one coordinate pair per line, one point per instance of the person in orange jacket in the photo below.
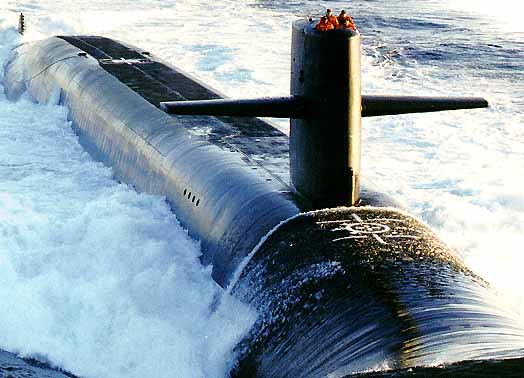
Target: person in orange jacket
x,y
330,22
333,20
346,21
324,24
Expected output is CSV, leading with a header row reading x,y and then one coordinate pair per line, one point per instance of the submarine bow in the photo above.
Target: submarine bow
x,y
339,291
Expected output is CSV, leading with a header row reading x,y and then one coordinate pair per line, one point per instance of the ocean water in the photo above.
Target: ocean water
x,y
72,289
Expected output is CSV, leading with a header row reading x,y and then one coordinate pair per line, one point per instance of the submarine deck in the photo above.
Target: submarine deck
x,y
263,147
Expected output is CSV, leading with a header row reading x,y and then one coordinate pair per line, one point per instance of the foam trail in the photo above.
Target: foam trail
x,y
94,277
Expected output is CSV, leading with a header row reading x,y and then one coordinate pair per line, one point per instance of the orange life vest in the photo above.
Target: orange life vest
x,y
333,20
346,21
324,25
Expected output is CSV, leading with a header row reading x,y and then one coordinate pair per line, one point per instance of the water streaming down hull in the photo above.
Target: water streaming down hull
x,y
338,291
348,290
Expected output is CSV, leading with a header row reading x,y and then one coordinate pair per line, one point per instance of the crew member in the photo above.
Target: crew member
x,y
346,21
332,19
330,22
324,24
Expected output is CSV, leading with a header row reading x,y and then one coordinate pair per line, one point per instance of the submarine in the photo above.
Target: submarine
x,y
345,283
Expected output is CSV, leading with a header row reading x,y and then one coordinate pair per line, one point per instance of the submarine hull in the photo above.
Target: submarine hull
x,y
350,290
211,181
338,291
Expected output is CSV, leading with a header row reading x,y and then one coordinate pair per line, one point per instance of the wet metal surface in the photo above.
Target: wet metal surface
x,y
346,290
263,147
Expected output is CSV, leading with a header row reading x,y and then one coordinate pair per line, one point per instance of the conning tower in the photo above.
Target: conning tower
x,y
325,107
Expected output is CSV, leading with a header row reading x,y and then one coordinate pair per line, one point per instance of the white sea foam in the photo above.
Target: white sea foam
x,y
94,277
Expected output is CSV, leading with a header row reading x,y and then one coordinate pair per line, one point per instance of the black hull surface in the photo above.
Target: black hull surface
x,y
339,291
356,289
